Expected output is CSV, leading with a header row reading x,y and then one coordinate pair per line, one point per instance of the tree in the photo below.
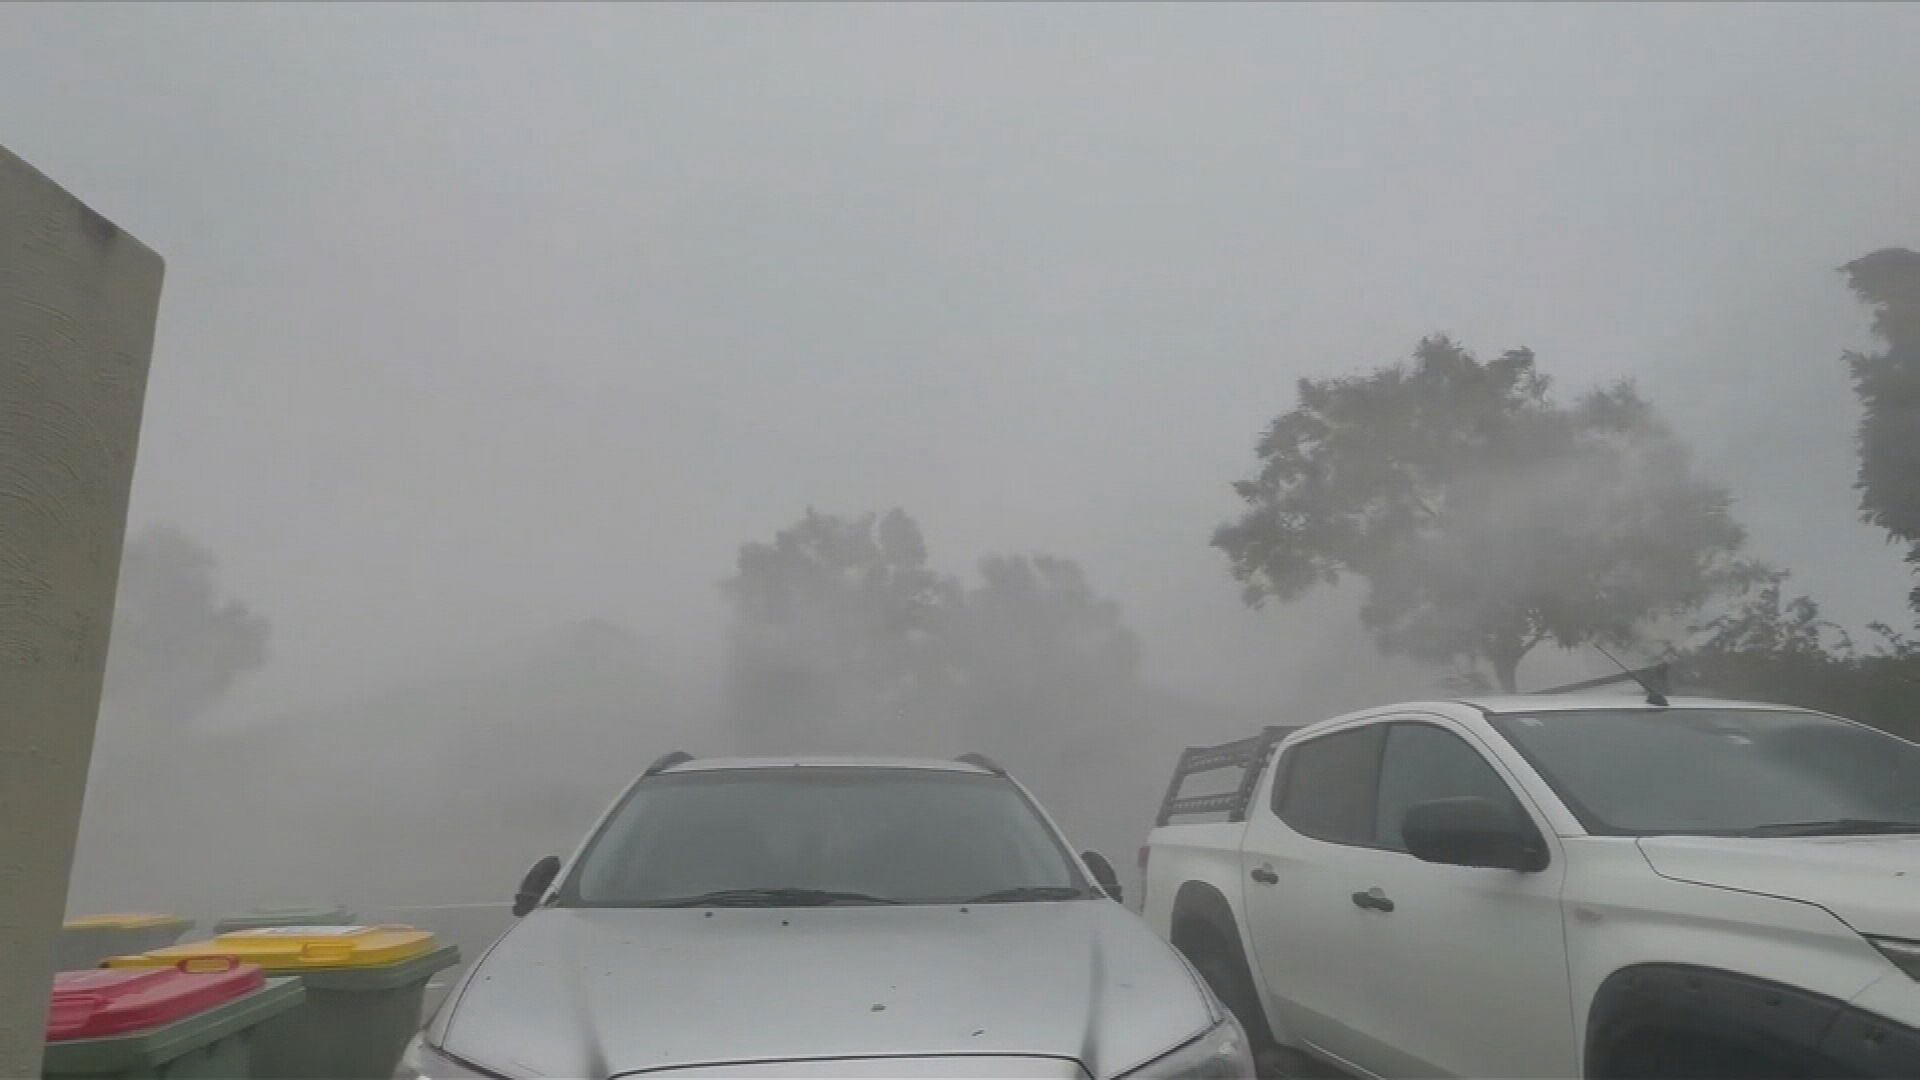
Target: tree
x,y
843,635
1888,386
834,626
1034,620
1769,648
1036,654
177,646
1484,517
1765,623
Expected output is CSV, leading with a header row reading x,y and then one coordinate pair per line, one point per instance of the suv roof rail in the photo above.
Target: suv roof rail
x,y
668,761
983,761
1248,755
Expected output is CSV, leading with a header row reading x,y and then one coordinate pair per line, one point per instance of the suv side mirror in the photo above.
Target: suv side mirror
x,y
1471,831
1103,874
535,884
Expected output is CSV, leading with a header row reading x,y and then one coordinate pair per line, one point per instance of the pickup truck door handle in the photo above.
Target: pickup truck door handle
x,y
1374,899
1265,875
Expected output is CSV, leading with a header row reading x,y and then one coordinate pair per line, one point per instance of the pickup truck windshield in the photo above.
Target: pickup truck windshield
x,y
811,835
1739,772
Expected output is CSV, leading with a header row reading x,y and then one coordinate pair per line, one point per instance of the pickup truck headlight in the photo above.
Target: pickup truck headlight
x,y
1221,1053
1904,954
423,1062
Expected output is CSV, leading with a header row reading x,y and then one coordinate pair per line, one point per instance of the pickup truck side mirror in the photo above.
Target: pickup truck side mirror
x,y
535,884
1471,831
1103,874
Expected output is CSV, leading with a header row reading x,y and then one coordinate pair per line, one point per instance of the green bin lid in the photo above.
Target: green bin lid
x,y
395,976
286,915
140,920
148,1052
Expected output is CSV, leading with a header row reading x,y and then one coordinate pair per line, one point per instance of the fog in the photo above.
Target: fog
x,y
491,334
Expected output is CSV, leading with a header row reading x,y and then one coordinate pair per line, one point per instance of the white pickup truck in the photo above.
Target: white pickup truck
x,y
1540,886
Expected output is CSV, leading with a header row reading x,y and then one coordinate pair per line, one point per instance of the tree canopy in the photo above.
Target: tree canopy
x,y
843,634
1772,648
1033,645
177,645
1484,517
1034,620
1888,386
833,627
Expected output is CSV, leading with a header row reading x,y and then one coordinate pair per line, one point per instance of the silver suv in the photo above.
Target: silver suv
x,y
742,917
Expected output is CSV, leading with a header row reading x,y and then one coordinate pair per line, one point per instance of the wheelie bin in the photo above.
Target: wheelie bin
x,y
295,915
86,941
196,1022
364,985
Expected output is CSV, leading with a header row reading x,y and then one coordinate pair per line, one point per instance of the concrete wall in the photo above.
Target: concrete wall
x,y
78,299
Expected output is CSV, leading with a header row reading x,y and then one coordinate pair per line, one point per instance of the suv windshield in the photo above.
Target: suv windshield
x,y
1741,772
818,835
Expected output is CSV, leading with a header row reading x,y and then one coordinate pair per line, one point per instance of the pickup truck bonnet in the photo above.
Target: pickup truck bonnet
x,y
1871,883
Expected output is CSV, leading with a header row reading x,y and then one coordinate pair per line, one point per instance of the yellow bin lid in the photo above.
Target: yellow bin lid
x,y
297,948
137,920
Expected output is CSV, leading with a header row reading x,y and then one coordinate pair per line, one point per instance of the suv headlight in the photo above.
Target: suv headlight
x,y
1904,954
1221,1053
423,1062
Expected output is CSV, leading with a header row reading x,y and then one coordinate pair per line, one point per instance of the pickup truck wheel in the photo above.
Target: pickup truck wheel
x,y
1226,972
1680,1057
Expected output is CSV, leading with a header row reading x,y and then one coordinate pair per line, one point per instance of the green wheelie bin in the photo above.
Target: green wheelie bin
x,y
84,942
195,1022
260,918
364,986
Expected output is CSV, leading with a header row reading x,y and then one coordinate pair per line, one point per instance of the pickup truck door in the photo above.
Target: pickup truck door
x,y
1388,964
1297,877
1471,962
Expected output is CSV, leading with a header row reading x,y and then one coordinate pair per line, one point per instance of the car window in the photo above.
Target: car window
x,y
908,835
1641,771
1422,762
1326,788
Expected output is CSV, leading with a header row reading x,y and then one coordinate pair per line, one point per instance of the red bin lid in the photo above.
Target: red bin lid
x,y
114,1001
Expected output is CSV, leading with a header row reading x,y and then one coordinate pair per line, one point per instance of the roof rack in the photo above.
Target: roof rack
x,y
983,761
1248,755
668,761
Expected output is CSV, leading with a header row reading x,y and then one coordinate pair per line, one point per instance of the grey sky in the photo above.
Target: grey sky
x,y
482,318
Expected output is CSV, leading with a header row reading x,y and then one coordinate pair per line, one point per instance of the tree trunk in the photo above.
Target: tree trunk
x,y
1506,671
1505,649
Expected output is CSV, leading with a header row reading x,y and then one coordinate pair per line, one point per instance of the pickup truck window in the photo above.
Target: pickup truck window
x,y
915,836
1725,772
1422,762
1325,789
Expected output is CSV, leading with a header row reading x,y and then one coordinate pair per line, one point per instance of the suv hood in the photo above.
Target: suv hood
x,y
1871,883
579,992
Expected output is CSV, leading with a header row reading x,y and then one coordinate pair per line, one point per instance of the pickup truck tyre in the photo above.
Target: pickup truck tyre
x,y
1662,1021
1681,1056
1220,963
1232,985
1226,972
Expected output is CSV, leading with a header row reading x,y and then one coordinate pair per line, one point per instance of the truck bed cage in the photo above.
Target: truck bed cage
x,y
1248,755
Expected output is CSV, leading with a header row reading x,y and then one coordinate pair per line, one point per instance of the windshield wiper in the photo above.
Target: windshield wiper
x,y
772,897
1834,827
1025,893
